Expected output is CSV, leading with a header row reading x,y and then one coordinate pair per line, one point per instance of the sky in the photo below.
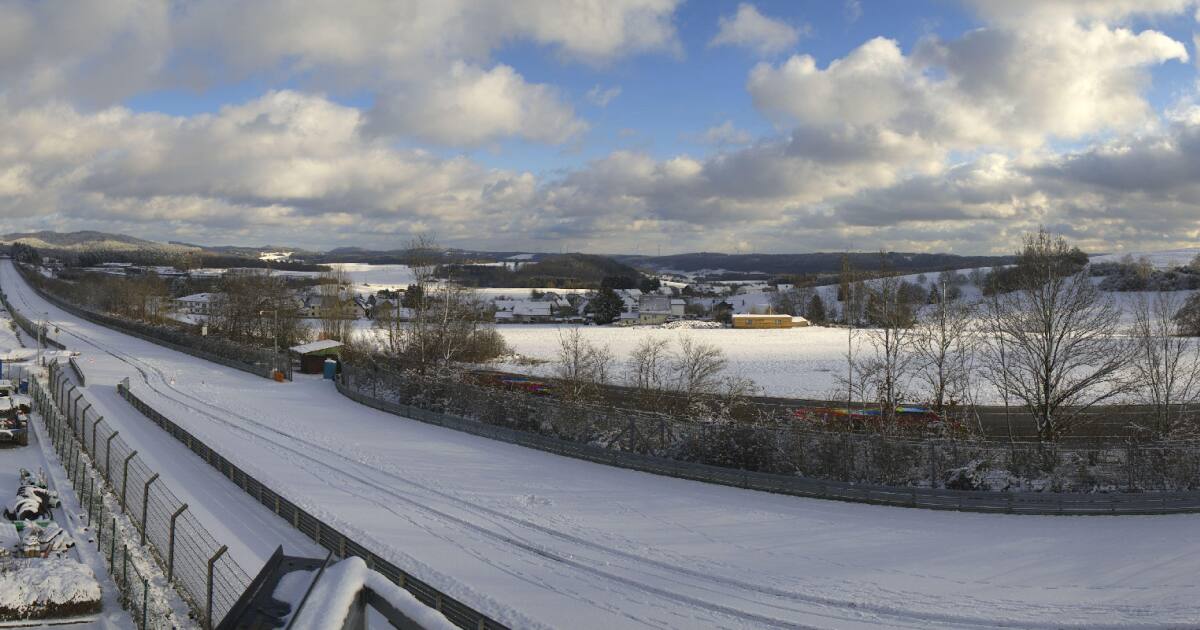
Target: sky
x,y
609,126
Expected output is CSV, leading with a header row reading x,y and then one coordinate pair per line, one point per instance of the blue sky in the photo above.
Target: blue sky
x,y
925,125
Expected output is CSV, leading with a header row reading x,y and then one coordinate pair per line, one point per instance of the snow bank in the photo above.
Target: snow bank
x,y
37,588
334,594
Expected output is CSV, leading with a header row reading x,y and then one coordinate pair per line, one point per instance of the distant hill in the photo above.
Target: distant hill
x,y
564,271
802,264
84,241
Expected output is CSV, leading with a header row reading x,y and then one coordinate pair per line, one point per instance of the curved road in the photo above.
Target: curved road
x,y
534,539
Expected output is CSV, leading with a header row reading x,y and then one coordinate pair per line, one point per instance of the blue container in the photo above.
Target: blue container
x,y
23,387
330,369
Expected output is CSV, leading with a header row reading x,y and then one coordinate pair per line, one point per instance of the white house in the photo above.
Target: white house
x,y
653,309
197,303
522,311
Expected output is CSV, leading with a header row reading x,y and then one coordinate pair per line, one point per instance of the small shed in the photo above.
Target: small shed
x,y
313,354
749,320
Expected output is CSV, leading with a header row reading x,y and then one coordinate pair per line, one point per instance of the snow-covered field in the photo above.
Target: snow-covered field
x,y
793,362
541,541
1165,259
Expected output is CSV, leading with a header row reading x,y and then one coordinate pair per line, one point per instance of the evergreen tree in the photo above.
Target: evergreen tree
x,y
816,309
607,306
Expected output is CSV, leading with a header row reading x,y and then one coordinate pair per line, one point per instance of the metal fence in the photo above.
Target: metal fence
x,y
257,361
869,468
78,371
148,609
29,327
197,564
320,532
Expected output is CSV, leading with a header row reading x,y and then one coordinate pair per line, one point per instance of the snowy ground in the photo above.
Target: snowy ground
x,y
38,456
537,540
793,362
1165,259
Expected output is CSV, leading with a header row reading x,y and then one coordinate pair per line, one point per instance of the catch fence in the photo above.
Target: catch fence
x,y
35,331
194,561
942,474
259,362
325,535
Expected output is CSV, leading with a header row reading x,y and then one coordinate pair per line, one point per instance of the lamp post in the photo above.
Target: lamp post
x,y
274,335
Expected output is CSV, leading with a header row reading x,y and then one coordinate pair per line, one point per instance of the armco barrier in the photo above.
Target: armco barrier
x,y
147,333
1045,503
323,534
29,327
78,371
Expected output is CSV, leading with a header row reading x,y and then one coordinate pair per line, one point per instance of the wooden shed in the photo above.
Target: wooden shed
x,y
313,354
754,320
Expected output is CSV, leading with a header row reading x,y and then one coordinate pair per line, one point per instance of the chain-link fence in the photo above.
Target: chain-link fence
x,y
197,564
35,331
258,361
328,537
789,451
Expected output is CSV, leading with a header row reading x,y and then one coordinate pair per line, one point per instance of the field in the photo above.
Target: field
x,y
796,362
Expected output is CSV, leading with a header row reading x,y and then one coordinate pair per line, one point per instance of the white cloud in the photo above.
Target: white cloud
x,y
471,106
751,29
724,134
853,10
286,166
991,87
601,97
433,54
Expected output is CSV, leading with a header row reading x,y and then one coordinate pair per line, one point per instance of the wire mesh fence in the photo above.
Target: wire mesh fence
x,y
325,535
1130,477
197,564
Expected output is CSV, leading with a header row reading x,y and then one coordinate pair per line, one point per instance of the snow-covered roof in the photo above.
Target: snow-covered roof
x,y
196,297
315,346
758,316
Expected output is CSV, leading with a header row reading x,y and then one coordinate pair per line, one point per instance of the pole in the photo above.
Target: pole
x,y
171,544
208,620
146,504
108,455
125,479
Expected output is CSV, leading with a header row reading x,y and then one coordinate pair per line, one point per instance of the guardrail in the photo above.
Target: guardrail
x,y
78,371
194,561
1044,503
29,327
262,365
328,537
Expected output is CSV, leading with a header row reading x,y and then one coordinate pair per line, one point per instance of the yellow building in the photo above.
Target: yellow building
x,y
747,320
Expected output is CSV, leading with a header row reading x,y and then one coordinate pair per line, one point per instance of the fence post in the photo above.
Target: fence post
x,y
146,504
91,497
108,454
112,549
94,425
125,480
171,544
208,620
145,601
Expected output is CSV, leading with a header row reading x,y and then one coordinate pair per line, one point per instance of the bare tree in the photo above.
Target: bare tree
x,y
581,366
447,324
886,369
697,366
336,310
1059,337
648,365
943,345
1167,366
